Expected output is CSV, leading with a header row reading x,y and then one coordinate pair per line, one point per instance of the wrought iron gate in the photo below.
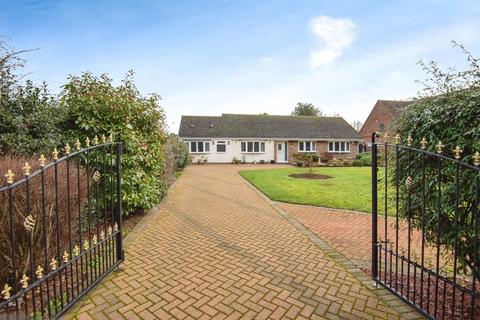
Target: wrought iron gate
x,y
61,228
426,226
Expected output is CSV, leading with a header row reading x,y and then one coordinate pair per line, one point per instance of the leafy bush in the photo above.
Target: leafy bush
x,y
30,120
306,159
94,106
176,158
179,150
363,159
449,113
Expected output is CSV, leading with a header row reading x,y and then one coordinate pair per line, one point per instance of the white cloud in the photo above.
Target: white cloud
x,y
336,36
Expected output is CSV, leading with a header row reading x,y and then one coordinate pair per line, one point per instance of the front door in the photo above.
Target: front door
x,y
281,152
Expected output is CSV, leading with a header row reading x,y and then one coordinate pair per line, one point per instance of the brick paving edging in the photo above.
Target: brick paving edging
x,y
383,294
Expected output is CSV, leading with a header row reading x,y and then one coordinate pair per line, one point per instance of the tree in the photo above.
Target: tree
x,y
306,109
447,111
357,125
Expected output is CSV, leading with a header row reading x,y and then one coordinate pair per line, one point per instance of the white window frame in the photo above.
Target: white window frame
x,y
254,146
221,143
337,146
302,145
205,146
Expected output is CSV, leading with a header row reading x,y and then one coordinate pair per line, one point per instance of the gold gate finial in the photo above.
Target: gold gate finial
x,y
65,256
458,152
476,159
24,281
76,251
42,160
440,147
6,291
385,137
54,264
55,154
26,169
39,272
110,138
87,142
409,140
78,145
10,176
68,149
104,139
423,143
95,140
397,139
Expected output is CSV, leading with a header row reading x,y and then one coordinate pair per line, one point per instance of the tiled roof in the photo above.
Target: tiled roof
x,y
394,106
266,126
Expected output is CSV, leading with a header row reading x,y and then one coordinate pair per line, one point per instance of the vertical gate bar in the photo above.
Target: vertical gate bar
x,y
119,202
88,254
57,220
439,208
402,258
396,217
476,241
423,209
44,214
30,244
457,190
104,175
112,204
374,209
80,228
386,207
409,222
12,244
69,212
97,220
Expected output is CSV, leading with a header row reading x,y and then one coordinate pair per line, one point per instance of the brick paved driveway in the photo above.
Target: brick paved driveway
x,y
216,249
350,232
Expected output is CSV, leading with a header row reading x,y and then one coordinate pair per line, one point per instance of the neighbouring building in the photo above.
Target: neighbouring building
x,y
257,138
380,119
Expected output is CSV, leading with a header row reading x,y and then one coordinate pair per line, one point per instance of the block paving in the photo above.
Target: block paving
x,y
350,233
216,249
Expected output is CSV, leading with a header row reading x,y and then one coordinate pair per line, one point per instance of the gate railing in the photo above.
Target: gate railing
x,y
60,228
426,226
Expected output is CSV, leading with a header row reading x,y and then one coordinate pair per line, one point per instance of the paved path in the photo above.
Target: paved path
x,y
216,249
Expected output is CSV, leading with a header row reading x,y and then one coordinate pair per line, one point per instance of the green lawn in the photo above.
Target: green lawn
x,y
348,189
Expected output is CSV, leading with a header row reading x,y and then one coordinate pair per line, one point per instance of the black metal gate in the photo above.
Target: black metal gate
x,y
425,226
61,228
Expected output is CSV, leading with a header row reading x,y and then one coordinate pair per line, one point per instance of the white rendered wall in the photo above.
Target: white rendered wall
x,y
233,149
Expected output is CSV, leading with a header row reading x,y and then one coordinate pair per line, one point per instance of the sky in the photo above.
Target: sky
x,y
246,56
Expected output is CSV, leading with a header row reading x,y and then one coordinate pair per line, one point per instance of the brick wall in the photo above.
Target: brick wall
x,y
322,151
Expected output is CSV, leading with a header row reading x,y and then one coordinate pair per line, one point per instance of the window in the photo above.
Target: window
x,y
381,127
199,146
307,146
253,147
221,146
339,147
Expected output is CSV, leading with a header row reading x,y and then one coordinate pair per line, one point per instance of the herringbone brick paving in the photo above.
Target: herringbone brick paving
x,y
216,250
